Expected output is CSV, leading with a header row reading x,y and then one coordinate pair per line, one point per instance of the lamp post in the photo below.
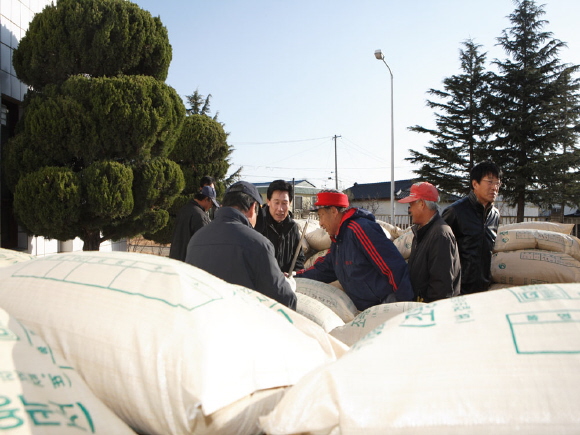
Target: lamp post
x,y
379,55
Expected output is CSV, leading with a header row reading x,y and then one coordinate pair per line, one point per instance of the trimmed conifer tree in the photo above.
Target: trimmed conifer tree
x,y
90,157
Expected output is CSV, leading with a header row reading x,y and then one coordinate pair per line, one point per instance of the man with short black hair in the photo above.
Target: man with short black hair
x,y
232,250
276,223
434,263
474,221
190,218
363,260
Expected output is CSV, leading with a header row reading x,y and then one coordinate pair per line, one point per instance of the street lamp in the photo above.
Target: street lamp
x,y
379,55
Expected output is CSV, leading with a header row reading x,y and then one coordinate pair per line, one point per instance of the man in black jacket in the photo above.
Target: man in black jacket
x,y
434,264
229,248
190,218
474,221
276,223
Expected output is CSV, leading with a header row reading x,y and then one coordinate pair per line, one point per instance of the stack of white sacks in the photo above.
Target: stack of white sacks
x,y
170,349
535,253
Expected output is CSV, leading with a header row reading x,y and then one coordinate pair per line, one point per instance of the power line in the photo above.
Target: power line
x,y
278,142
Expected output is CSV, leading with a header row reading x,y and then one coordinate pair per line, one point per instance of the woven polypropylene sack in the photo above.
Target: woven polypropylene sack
x,y
162,343
393,231
40,393
318,240
317,312
313,258
331,296
538,225
369,319
503,362
8,257
404,243
513,240
534,266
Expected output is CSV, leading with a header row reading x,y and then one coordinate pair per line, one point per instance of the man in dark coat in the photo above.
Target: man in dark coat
x,y
365,262
276,223
190,218
474,221
229,248
434,263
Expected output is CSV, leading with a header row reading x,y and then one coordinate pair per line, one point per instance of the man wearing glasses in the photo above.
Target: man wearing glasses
x,y
474,220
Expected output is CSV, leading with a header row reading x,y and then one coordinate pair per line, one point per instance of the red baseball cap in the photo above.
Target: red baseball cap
x,y
331,199
423,190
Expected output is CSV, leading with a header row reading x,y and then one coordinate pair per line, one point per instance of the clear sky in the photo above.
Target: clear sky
x,y
286,76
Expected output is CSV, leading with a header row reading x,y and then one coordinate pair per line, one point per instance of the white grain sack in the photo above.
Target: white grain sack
x,y
9,257
334,298
318,240
312,259
40,393
404,243
369,319
503,362
162,343
317,312
538,225
513,240
534,266
393,231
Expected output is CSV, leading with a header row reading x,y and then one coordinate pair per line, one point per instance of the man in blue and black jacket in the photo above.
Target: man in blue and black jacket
x,y
367,264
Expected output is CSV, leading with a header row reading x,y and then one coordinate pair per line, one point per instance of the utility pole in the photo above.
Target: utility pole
x,y
335,162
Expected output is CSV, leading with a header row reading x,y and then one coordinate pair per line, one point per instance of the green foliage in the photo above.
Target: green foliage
x,y
89,158
107,192
124,118
525,118
200,150
535,111
92,37
157,183
462,128
55,210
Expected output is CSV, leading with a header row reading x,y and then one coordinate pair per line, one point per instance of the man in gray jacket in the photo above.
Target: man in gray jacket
x,y
191,217
434,264
232,250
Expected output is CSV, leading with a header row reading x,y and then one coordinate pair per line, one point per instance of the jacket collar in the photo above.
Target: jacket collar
x,y
478,205
420,232
346,216
232,214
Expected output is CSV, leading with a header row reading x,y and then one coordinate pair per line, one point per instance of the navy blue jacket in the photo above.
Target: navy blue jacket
x,y
366,263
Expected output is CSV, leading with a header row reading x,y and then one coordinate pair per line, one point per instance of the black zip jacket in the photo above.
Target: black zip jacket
x,y
190,218
434,263
475,229
285,236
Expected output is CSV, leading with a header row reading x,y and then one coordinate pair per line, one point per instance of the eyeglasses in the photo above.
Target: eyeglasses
x,y
492,182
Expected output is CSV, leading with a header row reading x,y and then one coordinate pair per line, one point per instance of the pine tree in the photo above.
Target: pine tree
x,y
535,113
461,136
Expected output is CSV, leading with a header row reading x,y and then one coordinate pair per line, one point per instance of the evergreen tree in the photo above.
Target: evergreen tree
x,y
90,157
461,136
200,150
535,113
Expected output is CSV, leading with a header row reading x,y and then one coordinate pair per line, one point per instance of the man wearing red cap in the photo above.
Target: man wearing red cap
x,y
434,262
365,262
